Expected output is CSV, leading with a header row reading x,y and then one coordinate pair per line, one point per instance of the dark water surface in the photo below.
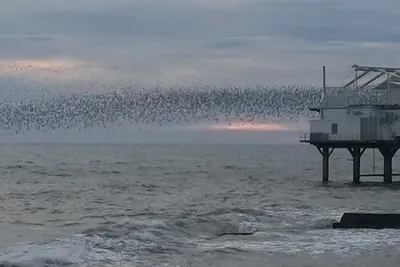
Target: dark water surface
x,y
165,205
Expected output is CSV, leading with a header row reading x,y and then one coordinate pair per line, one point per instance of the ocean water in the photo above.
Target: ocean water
x,y
166,205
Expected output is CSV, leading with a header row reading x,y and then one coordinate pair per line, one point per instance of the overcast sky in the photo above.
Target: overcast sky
x,y
199,41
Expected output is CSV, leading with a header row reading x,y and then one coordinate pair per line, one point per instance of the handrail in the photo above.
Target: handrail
x,y
340,96
306,137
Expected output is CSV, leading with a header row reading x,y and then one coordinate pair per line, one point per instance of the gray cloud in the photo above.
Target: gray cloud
x,y
229,43
312,20
28,46
333,21
219,42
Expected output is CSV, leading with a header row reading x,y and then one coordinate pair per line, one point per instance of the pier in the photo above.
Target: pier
x,y
356,149
349,121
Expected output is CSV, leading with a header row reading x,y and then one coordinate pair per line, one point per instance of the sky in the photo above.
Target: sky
x,y
92,44
196,42
132,134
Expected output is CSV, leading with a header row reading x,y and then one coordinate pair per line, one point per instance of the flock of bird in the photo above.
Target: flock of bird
x,y
160,106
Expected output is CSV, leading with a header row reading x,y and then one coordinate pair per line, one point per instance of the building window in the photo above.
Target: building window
x,y
334,128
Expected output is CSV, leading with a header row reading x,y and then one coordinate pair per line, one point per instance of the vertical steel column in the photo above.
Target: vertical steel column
x,y
387,168
387,153
325,165
326,153
356,153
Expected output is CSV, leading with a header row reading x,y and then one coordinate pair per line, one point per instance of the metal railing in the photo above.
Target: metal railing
x,y
339,97
344,100
344,137
304,137
309,137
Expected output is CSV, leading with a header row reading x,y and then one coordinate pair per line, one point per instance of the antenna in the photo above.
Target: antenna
x,y
323,90
324,78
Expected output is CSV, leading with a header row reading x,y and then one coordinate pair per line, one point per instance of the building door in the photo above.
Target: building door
x,y
368,128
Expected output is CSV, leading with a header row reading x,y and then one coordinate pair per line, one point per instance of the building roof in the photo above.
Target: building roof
x,y
376,77
394,84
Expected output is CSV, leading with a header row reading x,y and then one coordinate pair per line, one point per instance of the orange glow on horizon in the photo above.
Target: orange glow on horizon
x,y
249,127
41,63
48,69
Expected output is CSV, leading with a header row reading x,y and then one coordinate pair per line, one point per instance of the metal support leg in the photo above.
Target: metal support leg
x,y
387,153
387,168
325,165
325,152
356,153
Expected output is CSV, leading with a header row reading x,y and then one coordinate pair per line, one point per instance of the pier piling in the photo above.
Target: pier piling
x,y
356,152
357,149
326,153
387,153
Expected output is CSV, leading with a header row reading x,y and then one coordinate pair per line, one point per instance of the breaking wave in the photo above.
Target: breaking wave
x,y
154,241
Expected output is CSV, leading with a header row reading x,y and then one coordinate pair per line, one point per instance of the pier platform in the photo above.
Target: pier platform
x,y
362,114
356,148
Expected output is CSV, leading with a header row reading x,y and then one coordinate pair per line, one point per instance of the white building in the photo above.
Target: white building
x,y
348,114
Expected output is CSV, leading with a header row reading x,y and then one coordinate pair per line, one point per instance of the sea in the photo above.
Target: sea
x,y
178,204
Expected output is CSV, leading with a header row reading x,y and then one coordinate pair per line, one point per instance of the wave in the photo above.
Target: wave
x,y
153,240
